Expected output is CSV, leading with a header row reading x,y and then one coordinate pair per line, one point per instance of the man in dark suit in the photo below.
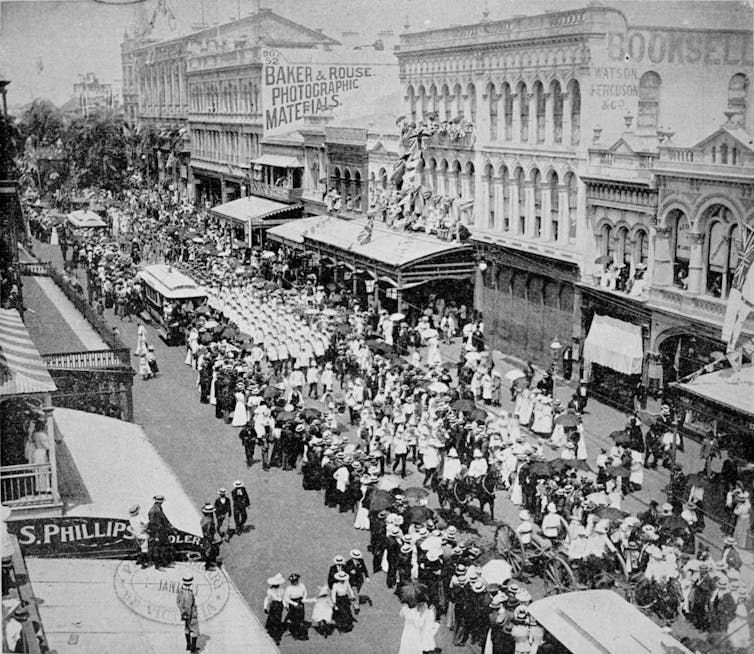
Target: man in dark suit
x,y
357,574
722,607
241,503
393,548
223,511
339,565
159,530
210,539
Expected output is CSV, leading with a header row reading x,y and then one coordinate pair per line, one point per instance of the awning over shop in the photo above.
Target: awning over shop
x,y
278,160
615,344
620,629
727,387
291,233
83,219
22,370
251,209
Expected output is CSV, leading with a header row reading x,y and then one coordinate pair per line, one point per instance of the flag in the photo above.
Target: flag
x,y
365,235
741,298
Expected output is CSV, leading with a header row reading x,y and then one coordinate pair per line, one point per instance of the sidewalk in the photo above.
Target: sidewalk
x,y
91,606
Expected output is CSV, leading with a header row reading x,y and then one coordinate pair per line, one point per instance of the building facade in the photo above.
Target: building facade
x,y
538,91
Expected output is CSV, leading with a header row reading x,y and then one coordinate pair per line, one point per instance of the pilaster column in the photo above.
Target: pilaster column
x,y
546,209
696,258
566,136
663,264
483,119
530,209
420,106
549,119
564,222
516,117
52,452
532,98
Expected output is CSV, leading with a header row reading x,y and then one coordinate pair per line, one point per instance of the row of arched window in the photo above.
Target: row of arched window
x,y
348,185
530,114
624,247
237,97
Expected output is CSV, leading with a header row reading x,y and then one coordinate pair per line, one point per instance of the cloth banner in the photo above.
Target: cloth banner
x,y
85,537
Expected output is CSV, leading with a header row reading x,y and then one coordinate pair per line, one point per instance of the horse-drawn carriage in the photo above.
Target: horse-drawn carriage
x,y
549,560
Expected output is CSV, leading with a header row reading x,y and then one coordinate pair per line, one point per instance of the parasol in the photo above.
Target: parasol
x,y
431,543
620,436
610,513
513,375
285,416
397,316
496,571
698,479
464,406
416,493
605,258
674,523
311,414
417,514
558,465
211,324
380,499
389,482
413,593
568,420
478,415
271,392
438,387
540,469
473,356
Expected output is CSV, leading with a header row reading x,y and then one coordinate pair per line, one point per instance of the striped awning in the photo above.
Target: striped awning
x,y
22,370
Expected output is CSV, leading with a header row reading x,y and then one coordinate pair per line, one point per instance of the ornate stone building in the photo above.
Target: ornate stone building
x,y
538,90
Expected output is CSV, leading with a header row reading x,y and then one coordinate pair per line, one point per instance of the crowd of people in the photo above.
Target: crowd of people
x,y
262,348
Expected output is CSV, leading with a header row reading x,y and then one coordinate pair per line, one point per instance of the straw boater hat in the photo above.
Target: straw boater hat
x,y
188,580
134,510
277,580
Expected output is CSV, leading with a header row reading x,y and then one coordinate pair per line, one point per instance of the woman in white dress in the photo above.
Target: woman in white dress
x,y
419,629
433,352
524,407
362,513
240,414
542,425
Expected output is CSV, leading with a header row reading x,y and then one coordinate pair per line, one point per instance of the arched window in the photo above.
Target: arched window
x,y
521,201
508,111
492,99
506,208
490,196
470,180
737,94
575,93
457,105
411,103
431,175
649,100
357,191
537,179
724,153
539,95
722,250
554,205
446,109
641,247
455,185
471,103
524,111
607,244
433,108
421,101
383,178
336,182
556,97
681,247
573,197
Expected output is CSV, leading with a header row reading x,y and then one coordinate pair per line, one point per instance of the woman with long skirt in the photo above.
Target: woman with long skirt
x,y
342,598
273,607
293,600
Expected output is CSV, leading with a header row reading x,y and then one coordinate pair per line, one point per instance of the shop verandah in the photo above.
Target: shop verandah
x,y
397,270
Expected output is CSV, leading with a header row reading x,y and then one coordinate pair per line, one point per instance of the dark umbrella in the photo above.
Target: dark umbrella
x,y
674,523
478,414
418,514
285,416
617,471
377,346
465,406
416,493
558,465
271,392
396,491
568,420
311,414
610,513
413,593
620,437
380,499
540,469
647,418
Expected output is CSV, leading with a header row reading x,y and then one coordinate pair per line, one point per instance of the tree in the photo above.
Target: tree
x,y
43,122
97,149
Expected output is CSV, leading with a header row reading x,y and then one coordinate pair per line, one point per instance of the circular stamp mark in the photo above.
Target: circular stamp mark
x,y
151,593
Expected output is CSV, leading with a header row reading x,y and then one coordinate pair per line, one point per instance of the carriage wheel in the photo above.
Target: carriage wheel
x,y
461,494
510,548
558,576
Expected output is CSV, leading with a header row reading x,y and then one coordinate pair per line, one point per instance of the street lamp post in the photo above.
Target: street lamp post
x,y
555,347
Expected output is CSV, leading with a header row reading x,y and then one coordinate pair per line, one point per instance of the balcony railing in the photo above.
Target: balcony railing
x,y
464,141
27,485
89,359
279,193
680,155
701,307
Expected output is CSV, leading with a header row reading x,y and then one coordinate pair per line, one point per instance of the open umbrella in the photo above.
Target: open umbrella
x,y
496,571
413,593
431,543
438,387
698,479
620,436
478,415
377,346
617,471
568,420
540,469
416,493
464,406
211,324
389,482
605,258
271,392
513,375
558,465
397,316
417,514
311,414
610,513
285,416
473,356
674,523
201,311
380,499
